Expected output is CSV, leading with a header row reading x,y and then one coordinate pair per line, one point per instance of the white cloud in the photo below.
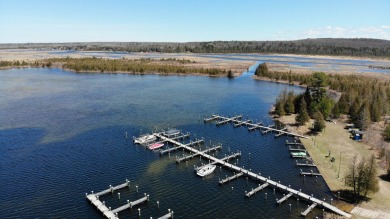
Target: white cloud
x,y
385,27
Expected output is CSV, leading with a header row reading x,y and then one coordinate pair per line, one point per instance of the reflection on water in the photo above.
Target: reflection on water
x,y
62,135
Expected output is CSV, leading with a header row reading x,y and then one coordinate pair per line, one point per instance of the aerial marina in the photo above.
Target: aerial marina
x,y
172,138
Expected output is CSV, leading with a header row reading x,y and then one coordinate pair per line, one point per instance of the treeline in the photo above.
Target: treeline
x,y
322,46
131,66
313,103
364,99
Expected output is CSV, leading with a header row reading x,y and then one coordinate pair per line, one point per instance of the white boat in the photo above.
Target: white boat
x,y
206,170
144,139
172,132
155,146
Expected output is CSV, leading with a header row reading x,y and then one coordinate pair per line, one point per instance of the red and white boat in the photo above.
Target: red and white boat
x,y
155,146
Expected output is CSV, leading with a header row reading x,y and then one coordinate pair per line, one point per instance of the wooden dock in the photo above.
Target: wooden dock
x,y
310,173
112,189
237,124
180,159
131,204
255,127
107,212
261,187
307,164
281,133
253,175
167,216
176,147
228,179
235,119
308,209
223,120
284,198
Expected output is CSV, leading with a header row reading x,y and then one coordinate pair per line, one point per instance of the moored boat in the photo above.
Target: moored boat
x,y
155,146
171,132
206,170
300,154
144,139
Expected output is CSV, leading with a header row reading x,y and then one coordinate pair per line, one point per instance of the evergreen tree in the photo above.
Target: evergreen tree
x,y
354,110
336,111
363,117
325,106
319,122
289,106
279,108
302,116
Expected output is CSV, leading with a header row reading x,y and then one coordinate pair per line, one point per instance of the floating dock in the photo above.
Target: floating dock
x,y
241,123
228,179
180,159
192,143
107,212
253,175
308,209
284,198
261,187
310,174
167,216
235,119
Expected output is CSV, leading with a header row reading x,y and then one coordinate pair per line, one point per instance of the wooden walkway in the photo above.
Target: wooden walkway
x,y
180,159
261,187
169,215
309,209
284,198
228,179
235,119
253,175
131,204
107,212
169,150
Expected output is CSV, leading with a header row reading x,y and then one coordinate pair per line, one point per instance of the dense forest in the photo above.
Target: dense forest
x,y
322,46
365,99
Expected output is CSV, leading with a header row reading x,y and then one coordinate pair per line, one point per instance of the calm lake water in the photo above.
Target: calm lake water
x,y
62,135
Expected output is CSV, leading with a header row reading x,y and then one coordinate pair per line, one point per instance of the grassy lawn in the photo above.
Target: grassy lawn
x,y
336,140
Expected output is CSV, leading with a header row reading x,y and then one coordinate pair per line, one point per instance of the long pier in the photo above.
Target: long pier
x,y
235,119
253,175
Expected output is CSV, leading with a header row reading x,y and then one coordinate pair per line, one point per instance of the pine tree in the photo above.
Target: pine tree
x,y
279,108
289,106
319,122
336,111
302,116
363,117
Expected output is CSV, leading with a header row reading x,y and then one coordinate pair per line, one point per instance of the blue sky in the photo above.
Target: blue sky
x,y
185,20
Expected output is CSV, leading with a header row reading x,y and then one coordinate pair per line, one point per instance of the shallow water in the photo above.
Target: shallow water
x,y
62,135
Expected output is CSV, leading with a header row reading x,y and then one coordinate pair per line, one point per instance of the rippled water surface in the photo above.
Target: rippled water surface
x,y
62,134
